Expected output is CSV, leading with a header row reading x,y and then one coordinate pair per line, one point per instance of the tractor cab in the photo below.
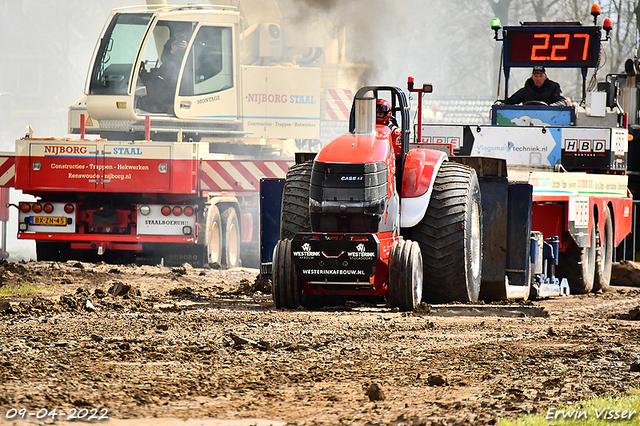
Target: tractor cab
x,y
164,61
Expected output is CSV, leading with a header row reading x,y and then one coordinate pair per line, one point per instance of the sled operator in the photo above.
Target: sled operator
x,y
538,88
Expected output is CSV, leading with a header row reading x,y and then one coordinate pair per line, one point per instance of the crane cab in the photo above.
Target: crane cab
x,y
166,62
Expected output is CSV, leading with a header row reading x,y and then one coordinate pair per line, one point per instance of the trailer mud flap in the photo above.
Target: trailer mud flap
x,y
519,234
495,203
507,227
271,190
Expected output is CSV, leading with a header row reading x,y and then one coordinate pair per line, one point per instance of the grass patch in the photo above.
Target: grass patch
x,y
598,411
23,288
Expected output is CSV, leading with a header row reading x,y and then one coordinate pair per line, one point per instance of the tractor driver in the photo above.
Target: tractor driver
x,y
384,117
538,89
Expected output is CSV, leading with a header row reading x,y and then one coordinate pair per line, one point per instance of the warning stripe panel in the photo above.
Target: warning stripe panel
x,y
7,171
338,104
239,175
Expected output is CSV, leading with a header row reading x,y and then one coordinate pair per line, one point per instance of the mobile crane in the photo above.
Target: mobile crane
x,y
192,105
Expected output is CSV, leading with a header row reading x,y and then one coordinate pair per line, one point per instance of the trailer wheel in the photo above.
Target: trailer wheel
x,y
295,201
231,239
450,237
214,236
285,289
604,256
579,266
405,275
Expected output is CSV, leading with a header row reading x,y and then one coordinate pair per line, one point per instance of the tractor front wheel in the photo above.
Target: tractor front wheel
x,y
404,289
285,289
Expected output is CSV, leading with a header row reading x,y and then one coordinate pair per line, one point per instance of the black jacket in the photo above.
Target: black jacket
x,y
550,92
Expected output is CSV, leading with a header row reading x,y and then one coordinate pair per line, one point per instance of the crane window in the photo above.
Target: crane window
x,y
117,53
209,66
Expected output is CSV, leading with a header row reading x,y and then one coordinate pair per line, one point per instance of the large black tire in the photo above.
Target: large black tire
x,y
604,255
295,219
579,266
450,237
231,239
214,236
285,289
404,290
295,201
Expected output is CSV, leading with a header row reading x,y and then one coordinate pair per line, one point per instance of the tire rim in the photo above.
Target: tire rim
x,y
590,255
417,278
232,244
474,251
608,252
214,244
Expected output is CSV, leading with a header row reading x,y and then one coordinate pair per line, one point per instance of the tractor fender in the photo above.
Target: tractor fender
x,y
420,169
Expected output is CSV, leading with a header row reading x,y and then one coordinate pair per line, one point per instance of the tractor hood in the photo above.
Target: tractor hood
x,y
357,149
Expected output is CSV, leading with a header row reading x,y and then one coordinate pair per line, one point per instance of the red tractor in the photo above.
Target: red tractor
x,y
368,216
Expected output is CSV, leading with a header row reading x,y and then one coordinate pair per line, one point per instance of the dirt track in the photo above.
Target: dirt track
x,y
207,344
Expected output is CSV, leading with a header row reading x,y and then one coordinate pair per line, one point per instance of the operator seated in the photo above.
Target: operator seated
x,y
538,90
384,118
161,82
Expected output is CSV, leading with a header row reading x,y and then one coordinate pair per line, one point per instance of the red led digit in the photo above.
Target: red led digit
x,y
564,46
536,47
585,49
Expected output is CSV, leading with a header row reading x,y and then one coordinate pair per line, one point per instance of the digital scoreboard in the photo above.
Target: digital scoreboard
x,y
572,46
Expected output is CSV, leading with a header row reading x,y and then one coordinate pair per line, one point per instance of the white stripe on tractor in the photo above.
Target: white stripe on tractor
x,y
215,177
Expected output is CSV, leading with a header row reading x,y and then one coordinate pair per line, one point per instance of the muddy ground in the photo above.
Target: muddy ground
x,y
207,345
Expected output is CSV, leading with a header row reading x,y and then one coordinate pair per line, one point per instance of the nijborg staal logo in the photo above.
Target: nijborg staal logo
x,y
65,149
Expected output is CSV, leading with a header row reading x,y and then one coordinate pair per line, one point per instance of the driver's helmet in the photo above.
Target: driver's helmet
x,y
383,111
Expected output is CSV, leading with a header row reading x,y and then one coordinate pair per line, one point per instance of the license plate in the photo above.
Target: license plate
x,y
48,220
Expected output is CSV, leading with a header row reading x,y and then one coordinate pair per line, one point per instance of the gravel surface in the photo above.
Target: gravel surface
x,y
149,345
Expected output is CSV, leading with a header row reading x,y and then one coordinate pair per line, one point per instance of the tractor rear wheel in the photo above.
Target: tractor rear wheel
x,y
295,201
404,289
579,266
285,289
450,237
604,256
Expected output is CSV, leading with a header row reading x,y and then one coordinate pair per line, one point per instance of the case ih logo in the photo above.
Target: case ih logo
x,y
64,149
583,146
